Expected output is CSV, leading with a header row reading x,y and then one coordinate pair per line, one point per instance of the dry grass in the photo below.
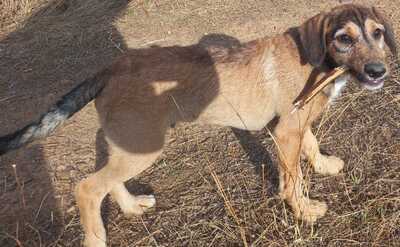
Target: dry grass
x,y
13,12
45,51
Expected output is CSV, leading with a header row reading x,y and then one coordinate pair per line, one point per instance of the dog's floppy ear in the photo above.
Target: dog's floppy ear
x,y
313,38
390,40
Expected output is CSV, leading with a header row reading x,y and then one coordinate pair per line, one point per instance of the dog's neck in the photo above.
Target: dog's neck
x,y
334,89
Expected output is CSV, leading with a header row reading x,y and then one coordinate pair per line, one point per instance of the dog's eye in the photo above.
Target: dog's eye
x,y
345,39
378,33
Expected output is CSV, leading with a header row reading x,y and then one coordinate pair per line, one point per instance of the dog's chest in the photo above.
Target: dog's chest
x,y
337,87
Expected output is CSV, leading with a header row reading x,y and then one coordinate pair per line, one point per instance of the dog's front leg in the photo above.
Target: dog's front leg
x,y
322,164
291,179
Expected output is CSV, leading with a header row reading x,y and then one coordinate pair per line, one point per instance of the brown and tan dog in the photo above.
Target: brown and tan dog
x,y
245,86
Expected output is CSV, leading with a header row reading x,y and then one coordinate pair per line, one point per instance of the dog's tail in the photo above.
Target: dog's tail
x,y
69,104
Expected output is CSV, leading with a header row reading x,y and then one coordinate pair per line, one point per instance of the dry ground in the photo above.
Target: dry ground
x,y
47,47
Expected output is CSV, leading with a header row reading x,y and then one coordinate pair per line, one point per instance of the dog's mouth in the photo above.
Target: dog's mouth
x,y
370,83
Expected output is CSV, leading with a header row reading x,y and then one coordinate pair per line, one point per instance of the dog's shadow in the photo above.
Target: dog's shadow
x,y
52,51
261,160
40,62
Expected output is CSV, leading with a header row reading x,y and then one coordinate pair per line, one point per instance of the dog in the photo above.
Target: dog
x,y
146,91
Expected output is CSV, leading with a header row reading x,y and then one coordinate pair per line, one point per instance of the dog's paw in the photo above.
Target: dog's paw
x,y
328,165
137,205
311,210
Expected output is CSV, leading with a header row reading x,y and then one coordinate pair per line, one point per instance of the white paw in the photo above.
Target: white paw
x,y
146,201
328,165
311,210
137,205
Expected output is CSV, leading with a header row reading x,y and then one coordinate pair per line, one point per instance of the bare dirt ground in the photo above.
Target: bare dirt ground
x,y
47,47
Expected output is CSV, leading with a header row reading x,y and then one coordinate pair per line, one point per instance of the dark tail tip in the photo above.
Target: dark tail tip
x,y
4,147
48,122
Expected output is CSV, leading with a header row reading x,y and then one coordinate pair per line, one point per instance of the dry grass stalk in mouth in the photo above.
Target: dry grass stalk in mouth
x,y
307,96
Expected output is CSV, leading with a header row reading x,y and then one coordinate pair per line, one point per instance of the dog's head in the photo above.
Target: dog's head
x,y
354,36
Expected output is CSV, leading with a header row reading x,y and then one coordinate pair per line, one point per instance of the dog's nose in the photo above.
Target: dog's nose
x,y
375,70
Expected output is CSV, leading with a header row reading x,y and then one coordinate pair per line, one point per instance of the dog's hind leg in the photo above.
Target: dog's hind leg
x,y
90,192
322,164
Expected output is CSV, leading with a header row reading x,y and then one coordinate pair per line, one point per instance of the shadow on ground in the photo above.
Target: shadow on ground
x,y
50,53
260,158
55,49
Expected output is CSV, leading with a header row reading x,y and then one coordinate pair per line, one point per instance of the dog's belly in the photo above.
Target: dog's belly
x,y
248,121
245,108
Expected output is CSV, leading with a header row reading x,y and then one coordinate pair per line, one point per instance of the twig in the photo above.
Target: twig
x,y
148,232
19,187
19,244
303,99
40,207
229,206
37,232
263,178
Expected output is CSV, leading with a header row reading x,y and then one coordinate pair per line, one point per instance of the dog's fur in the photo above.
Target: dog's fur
x,y
245,86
